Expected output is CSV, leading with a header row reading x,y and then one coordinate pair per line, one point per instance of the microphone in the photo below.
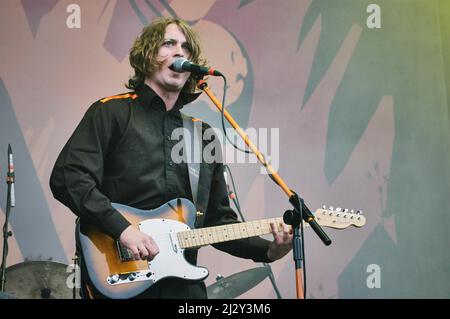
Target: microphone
x,y
10,176
181,65
230,193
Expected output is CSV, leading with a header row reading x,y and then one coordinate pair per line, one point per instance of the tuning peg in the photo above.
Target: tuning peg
x,y
352,211
359,212
338,209
324,207
331,208
345,210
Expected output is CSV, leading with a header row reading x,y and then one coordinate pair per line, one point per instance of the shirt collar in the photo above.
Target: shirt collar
x,y
146,95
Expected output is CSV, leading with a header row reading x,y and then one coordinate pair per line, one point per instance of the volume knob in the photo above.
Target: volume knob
x,y
113,279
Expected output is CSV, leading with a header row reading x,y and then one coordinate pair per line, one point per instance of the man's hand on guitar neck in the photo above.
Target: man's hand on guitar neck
x,y
282,242
142,245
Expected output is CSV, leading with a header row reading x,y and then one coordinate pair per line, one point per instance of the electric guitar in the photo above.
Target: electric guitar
x,y
116,274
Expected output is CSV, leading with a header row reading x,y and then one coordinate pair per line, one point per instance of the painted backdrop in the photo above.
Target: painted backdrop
x,y
357,89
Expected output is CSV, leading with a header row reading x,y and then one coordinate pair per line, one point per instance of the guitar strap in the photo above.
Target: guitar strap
x,y
193,151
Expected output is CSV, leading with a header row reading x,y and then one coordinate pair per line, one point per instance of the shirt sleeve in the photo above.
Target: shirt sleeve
x,y
78,172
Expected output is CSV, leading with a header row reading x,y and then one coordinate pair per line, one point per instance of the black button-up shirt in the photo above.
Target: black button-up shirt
x,y
121,152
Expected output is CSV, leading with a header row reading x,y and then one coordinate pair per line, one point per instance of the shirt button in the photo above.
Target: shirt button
x,y
170,163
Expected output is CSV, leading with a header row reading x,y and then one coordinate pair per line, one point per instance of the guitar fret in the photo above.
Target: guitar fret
x,y
210,236
232,233
188,242
237,234
259,227
195,238
226,235
244,229
216,234
204,237
191,240
237,231
200,237
220,234
247,229
266,225
251,230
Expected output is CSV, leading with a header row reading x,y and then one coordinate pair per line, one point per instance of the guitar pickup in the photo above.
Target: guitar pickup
x,y
124,253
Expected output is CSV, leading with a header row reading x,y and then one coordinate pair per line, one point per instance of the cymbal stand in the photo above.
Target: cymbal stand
x,y
10,202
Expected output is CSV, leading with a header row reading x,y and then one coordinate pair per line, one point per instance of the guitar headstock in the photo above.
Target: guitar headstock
x,y
339,218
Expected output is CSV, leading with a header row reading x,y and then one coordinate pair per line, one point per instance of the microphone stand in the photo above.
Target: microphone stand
x,y
235,200
291,217
6,233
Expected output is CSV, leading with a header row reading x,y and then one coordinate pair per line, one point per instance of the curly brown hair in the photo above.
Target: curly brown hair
x,y
145,49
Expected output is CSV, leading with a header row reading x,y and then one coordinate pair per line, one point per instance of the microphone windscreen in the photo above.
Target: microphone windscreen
x,y
177,65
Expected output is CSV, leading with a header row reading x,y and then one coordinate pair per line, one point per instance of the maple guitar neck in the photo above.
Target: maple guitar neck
x,y
217,234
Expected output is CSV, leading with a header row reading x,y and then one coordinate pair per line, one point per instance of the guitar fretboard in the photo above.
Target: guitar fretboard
x,y
217,234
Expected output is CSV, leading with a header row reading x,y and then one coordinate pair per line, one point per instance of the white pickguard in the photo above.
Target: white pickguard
x,y
170,261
